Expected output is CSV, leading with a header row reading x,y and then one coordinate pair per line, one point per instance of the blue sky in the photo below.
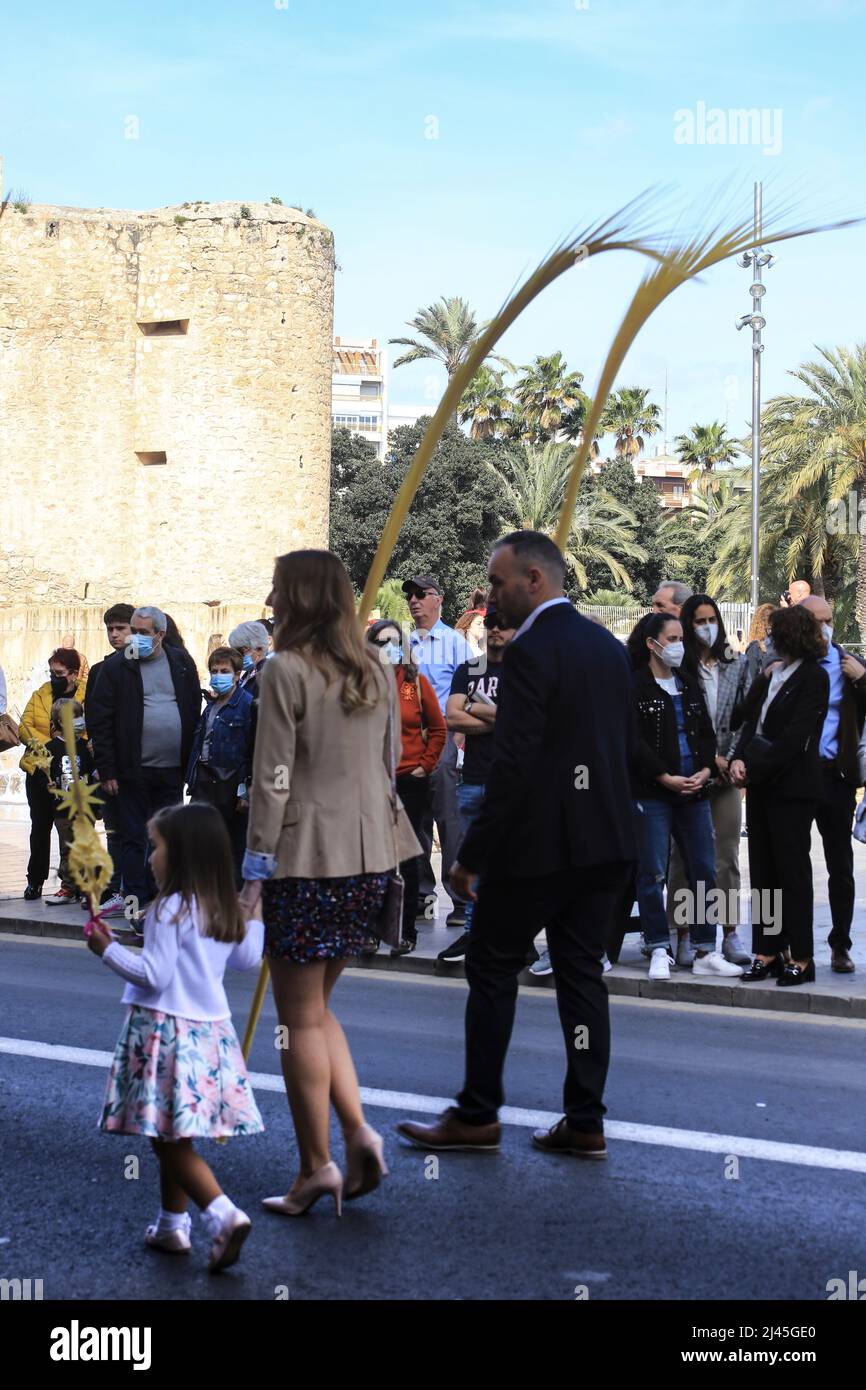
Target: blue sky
x,y
547,114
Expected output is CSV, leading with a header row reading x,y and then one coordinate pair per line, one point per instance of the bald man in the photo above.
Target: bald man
x,y
799,591
840,736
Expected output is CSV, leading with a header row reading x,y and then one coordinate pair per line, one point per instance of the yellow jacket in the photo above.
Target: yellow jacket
x,y
35,726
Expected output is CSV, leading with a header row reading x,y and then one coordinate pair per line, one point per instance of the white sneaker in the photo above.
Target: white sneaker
x,y
734,950
227,1243
714,963
115,906
660,964
172,1242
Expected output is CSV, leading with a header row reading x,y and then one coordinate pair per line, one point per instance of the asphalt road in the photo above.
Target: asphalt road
x,y
657,1221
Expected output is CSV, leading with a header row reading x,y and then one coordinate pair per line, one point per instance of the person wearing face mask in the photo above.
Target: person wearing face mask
x,y
142,717
837,755
674,761
723,676
219,762
64,666
60,779
422,740
777,760
251,640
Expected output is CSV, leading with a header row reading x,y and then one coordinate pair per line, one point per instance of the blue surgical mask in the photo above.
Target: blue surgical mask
x,y
78,725
248,661
827,629
221,683
139,645
394,653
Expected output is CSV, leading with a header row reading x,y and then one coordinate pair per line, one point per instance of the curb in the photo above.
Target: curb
x,y
625,980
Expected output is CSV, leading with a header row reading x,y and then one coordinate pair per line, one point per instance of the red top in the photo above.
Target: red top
x,y
414,751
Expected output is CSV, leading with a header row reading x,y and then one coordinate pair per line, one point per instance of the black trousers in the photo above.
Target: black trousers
x,y
42,807
108,813
576,907
780,836
137,801
833,816
236,823
416,795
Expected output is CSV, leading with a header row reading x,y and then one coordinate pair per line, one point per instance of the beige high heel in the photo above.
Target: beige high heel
x,y
326,1180
365,1162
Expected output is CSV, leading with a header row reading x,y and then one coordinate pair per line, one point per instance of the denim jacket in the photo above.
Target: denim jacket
x,y
231,737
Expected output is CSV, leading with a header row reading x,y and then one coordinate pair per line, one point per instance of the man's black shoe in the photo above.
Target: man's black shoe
x,y
457,916
457,950
32,892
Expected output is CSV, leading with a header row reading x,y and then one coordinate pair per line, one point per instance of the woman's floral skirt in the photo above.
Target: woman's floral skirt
x,y
178,1078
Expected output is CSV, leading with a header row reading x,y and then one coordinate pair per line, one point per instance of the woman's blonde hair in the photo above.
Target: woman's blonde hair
x,y
199,868
760,624
320,622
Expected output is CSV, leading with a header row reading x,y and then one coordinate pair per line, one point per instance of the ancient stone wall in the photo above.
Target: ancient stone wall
x,y
193,333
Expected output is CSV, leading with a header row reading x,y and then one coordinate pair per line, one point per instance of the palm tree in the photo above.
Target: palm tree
x,y
451,331
487,404
629,416
534,480
704,448
549,395
820,438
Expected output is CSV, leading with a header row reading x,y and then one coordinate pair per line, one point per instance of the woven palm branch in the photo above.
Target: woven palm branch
x,y
89,860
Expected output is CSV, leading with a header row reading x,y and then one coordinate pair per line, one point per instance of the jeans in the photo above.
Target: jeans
x,y
691,825
469,799
444,811
726,809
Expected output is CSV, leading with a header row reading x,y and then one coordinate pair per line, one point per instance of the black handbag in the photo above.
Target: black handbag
x,y
388,925
218,786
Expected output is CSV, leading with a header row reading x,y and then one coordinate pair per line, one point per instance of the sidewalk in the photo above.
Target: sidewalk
x,y
840,995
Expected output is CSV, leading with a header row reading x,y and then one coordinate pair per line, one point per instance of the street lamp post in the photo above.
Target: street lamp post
x,y
756,260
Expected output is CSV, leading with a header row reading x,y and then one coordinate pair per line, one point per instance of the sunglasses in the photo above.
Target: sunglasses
x,y
491,620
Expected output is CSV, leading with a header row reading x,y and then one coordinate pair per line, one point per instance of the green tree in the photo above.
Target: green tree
x,y
487,405
630,417
452,523
447,332
703,449
549,395
642,499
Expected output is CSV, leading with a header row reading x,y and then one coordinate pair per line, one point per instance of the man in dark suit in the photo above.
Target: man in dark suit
x,y
551,846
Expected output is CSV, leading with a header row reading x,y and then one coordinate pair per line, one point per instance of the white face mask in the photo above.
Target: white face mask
x,y
827,629
672,654
708,633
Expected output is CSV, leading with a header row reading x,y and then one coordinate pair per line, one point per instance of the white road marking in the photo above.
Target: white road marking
x,y
801,1155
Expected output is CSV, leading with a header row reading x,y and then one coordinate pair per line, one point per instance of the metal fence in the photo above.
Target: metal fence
x,y
621,620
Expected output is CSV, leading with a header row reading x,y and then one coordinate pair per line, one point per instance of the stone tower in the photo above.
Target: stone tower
x,y
165,384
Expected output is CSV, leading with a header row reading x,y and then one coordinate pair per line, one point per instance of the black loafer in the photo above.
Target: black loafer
x,y
404,949
762,970
798,975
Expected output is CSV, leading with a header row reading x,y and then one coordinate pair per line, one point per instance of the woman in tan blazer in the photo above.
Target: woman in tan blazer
x,y
322,838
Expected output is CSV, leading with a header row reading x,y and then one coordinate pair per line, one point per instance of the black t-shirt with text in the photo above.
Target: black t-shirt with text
x,y
478,753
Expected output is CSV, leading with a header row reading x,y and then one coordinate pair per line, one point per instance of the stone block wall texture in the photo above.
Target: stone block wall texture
x,y
239,403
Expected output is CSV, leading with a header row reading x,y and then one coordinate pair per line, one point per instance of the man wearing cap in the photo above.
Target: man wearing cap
x,y
437,651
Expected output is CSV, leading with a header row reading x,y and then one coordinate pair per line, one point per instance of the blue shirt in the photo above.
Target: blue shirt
x,y
832,663
437,653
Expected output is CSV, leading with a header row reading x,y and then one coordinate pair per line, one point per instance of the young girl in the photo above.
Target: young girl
x,y
178,1072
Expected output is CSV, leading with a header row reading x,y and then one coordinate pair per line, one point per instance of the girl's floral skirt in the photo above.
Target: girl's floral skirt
x,y
178,1078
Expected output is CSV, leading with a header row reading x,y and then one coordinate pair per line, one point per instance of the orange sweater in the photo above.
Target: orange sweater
x,y
414,751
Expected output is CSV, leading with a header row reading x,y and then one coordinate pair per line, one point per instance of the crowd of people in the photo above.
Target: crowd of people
x,y
568,776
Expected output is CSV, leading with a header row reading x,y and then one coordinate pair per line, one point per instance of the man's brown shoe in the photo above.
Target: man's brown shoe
x,y
842,963
449,1132
561,1139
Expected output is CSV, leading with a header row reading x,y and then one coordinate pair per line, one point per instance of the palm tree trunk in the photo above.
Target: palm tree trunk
x,y
860,606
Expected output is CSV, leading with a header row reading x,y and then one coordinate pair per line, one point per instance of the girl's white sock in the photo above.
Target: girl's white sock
x,y
214,1215
172,1220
